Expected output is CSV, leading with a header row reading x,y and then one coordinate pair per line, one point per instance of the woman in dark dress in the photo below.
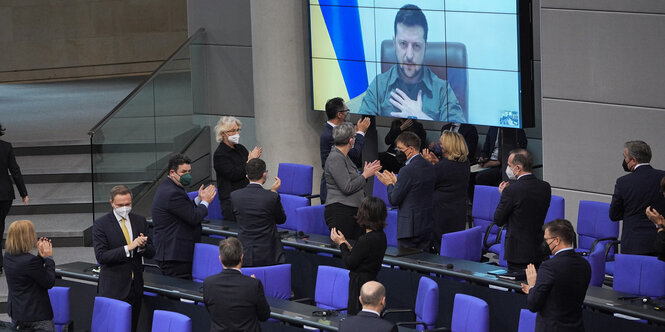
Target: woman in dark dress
x,y
365,257
452,181
29,278
229,162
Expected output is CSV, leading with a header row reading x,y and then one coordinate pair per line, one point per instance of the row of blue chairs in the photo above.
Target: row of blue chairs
x,y
112,315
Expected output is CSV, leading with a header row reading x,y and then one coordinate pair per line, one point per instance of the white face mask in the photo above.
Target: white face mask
x,y
123,211
510,173
235,139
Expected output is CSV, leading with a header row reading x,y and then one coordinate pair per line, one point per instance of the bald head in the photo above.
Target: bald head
x,y
373,296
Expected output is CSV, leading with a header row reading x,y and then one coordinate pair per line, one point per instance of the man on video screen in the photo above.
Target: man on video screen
x,y
409,89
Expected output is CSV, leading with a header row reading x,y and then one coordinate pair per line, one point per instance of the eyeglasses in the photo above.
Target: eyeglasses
x,y
237,130
345,111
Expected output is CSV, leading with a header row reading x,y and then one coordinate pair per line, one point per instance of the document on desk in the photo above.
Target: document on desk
x,y
477,168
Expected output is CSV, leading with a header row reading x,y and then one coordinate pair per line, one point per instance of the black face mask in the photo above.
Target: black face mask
x,y
545,248
625,166
400,156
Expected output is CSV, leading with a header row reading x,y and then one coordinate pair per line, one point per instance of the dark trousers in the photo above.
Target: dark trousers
x,y
490,177
512,266
227,209
4,210
182,270
343,218
422,242
135,299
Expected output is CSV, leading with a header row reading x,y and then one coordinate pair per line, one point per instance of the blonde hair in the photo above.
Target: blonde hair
x,y
21,237
453,146
223,125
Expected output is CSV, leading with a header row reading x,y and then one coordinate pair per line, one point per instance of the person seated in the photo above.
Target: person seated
x,y
235,302
373,299
398,126
490,158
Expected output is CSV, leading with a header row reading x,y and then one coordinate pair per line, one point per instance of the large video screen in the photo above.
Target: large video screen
x,y
443,60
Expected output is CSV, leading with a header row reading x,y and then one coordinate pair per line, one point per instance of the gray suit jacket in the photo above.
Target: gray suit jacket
x,y
344,183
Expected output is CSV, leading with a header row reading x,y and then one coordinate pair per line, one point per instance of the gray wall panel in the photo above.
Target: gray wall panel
x,y
603,56
640,6
227,22
228,81
583,142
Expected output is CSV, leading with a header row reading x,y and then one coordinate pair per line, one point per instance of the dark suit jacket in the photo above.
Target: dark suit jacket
x,y
29,278
115,278
416,128
257,211
177,223
559,293
364,263
229,166
412,194
490,139
660,245
235,302
8,165
470,134
632,194
366,322
326,143
523,207
450,191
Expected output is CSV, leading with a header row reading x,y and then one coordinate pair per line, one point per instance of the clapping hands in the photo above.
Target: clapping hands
x,y
44,247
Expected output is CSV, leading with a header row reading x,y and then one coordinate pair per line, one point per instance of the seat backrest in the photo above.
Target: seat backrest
x,y
214,208
527,321
381,191
311,220
463,244
205,262
448,61
557,209
296,179
639,275
59,297
111,315
485,201
470,314
427,302
168,321
291,203
597,261
276,279
391,228
332,287
593,222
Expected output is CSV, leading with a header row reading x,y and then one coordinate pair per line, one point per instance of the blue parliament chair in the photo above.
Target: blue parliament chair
x,y
214,208
291,203
332,288
296,179
426,306
485,201
391,228
59,297
597,261
470,314
594,227
527,321
205,262
276,279
639,275
111,315
168,321
311,220
381,191
462,244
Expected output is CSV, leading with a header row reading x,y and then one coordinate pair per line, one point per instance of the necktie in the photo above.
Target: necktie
x,y
125,232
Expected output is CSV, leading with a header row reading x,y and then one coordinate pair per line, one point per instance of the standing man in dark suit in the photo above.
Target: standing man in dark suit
x,y
8,165
177,219
490,157
258,211
522,208
373,299
632,194
235,302
411,193
121,241
556,292
336,111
